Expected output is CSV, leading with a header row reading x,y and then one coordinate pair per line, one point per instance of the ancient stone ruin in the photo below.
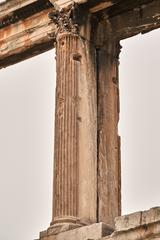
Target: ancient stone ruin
x,y
87,167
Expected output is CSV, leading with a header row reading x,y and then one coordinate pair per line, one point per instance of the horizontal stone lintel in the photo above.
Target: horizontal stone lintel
x,y
141,19
14,5
26,38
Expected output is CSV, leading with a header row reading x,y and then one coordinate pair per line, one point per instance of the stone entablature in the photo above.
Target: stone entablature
x,y
26,29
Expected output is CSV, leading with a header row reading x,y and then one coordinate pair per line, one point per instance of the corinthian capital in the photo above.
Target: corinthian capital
x,y
65,19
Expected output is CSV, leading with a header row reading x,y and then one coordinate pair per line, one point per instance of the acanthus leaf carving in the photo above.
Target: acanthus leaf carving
x,y
65,20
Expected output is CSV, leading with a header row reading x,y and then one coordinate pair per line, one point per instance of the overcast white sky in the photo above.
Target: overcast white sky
x,y
140,121
27,102
1,1
26,147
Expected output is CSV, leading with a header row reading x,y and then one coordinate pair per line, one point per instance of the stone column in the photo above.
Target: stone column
x,y
75,157
109,169
65,196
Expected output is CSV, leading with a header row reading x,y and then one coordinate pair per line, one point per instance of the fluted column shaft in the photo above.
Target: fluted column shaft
x,y
75,155
66,131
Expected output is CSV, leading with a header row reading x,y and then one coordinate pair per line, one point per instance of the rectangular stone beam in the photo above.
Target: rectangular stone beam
x,y
26,38
93,5
141,19
10,6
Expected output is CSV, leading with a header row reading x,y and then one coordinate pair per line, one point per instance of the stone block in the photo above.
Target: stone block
x,y
153,215
128,221
137,219
94,231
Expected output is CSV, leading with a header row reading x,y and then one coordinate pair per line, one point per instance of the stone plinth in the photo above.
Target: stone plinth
x,y
94,231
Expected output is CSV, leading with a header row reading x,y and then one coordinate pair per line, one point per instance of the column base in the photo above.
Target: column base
x,y
73,231
67,220
59,228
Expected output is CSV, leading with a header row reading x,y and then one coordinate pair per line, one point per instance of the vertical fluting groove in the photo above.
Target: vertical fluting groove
x,y
73,77
55,149
57,140
98,133
61,126
64,158
60,129
74,163
77,132
58,135
57,118
66,132
75,123
68,127
72,143
60,118
72,116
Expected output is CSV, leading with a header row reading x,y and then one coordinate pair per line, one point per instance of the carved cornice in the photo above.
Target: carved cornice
x,y
66,20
